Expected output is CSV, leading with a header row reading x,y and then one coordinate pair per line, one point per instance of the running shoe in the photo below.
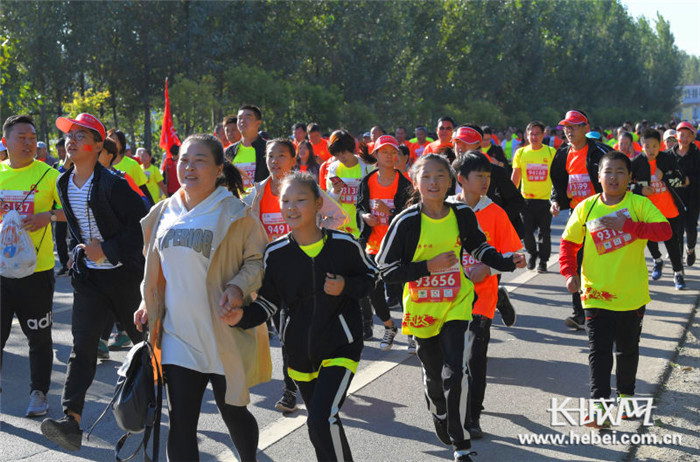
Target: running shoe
x,y
65,432
575,322
679,281
506,309
38,404
657,269
622,398
121,339
690,258
411,347
531,260
288,401
388,339
475,430
464,455
592,420
102,350
542,267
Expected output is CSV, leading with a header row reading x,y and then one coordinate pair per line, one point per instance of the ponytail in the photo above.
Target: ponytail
x,y
231,178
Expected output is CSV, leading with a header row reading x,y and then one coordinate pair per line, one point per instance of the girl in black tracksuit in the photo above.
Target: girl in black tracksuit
x,y
323,328
422,250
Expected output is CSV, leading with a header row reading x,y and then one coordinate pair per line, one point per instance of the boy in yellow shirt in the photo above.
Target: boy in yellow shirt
x,y
613,227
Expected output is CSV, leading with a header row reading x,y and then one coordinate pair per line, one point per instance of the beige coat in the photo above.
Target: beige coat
x,y
237,259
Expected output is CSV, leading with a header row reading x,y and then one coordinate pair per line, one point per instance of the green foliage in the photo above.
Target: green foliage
x,y
338,63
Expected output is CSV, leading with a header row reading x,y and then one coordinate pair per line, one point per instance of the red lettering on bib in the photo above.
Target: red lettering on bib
x,y
439,287
580,186
608,240
348,195
536,172
12,200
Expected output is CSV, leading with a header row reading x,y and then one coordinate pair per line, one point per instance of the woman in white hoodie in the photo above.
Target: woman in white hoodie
x,y
203,254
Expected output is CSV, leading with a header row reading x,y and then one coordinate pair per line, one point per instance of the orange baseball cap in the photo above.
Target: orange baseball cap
x,y
385,140
574,117
84,120
467,135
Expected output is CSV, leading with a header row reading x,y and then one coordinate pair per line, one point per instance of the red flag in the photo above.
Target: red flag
x,y
168,136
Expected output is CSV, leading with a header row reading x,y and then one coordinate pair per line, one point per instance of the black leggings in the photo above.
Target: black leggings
x,y
673,245
185,392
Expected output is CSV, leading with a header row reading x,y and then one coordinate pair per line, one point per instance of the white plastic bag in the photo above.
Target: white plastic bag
x,y
18,256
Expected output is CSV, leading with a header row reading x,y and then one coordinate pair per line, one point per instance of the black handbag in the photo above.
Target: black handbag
x,y
138,401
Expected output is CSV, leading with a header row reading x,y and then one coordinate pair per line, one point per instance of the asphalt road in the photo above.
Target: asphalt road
x,y
385,416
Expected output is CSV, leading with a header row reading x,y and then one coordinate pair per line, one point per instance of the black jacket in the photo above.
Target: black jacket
x,y
672,176
403,194
689,165
318,326
560,177
259,145
496,152
506,195
117,210
395,259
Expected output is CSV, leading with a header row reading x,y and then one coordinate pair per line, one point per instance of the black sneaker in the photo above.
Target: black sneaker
x,y
368,331
441,430
62,271
531,260
288,401
464,456
690,258
506,309
575,322
475,430
388,339
65,432
542,267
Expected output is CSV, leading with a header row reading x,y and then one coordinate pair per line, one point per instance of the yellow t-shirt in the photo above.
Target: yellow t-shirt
x,y
440,297
351,176
154,177
534,168
15,183
614,272
245,162
133,169
312,250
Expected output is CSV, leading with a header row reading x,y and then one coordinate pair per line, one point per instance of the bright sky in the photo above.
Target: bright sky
x,y
683,15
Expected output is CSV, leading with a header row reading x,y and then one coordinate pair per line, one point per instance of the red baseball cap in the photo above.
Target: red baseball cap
x,y
686,125
385,140
467,135
84,120
574,117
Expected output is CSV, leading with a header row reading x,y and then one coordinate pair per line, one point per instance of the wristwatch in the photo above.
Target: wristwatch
x,y
54,218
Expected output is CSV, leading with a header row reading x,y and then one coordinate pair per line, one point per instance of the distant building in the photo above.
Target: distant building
x,y
690,103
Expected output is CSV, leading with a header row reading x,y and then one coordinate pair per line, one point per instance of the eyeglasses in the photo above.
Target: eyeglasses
x,y
78,136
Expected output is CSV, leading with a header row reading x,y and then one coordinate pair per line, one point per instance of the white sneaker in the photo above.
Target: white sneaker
x,y
38,404
388,339
411,347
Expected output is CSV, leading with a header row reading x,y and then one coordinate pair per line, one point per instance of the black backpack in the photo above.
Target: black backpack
x,y
137,403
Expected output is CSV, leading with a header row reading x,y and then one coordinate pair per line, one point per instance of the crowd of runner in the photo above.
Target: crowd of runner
x,y
239,236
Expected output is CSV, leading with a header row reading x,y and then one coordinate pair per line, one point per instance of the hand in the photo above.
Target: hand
x,y
478,273
36,222
647,190
573,284
442,262
659,174
554,209
232,298
519,260
334,284
69,265
140,318
93,250
230,317
616,222
370,219
381,207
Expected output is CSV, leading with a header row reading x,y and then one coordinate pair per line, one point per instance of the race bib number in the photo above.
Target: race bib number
x,y
580,186
536,172
348,195
608,240
247,170
438,287
658,185
274,225
382,217
419,151
468,262
12,200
